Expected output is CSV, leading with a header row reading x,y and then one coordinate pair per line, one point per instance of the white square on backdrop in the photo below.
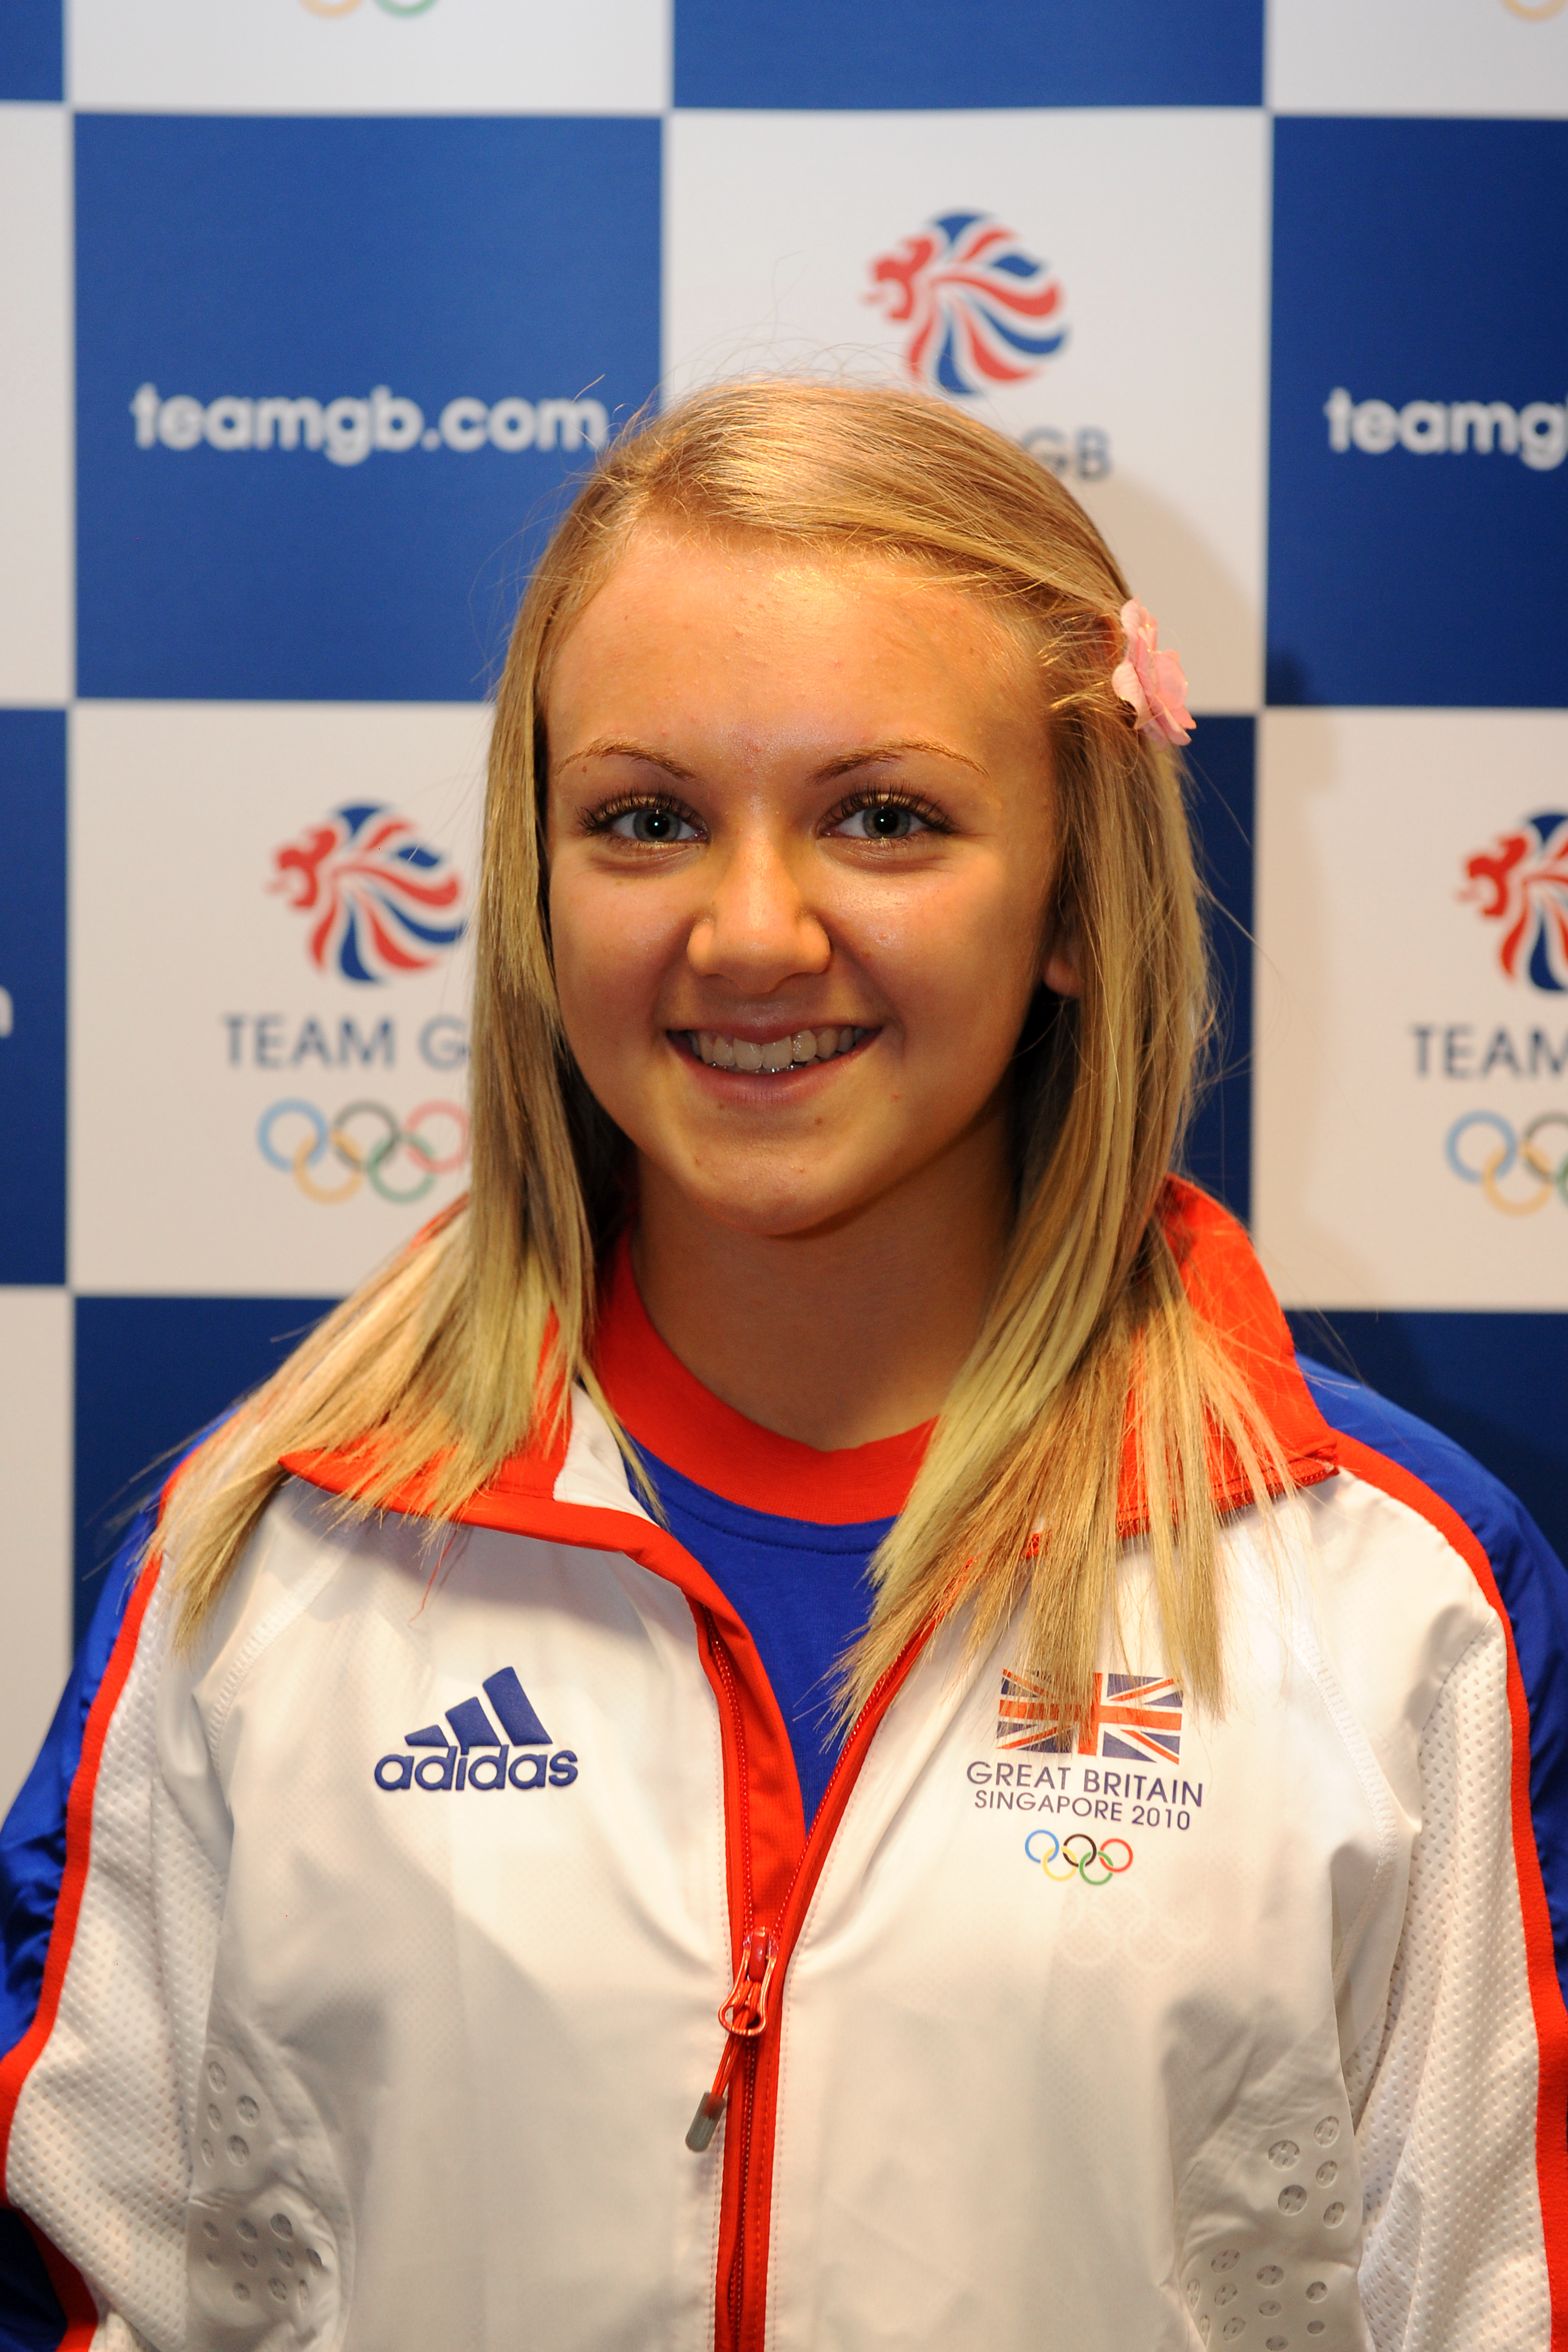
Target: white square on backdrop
x,y
1418,56
35,452
35,1481
248,1117
1411,1055
370,57
1152,225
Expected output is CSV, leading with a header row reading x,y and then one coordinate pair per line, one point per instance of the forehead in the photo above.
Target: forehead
x,y
738,617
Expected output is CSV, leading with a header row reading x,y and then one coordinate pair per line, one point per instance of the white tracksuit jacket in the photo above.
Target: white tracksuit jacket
x,y
385,1942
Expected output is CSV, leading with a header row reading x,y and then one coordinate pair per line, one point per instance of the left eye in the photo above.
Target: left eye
x,y
883,821
653,824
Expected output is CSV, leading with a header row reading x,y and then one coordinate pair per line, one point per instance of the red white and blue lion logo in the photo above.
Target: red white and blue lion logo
x,y
1522,882
973,301
382,901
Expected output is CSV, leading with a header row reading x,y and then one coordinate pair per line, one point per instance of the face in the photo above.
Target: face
x,y
802,840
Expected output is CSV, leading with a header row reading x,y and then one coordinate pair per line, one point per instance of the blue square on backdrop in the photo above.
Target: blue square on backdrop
x,y
1418,493
33,996
332,377
150,1375
968,53
32,50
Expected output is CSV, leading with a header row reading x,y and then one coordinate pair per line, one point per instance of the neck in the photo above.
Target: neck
x,y
844,1334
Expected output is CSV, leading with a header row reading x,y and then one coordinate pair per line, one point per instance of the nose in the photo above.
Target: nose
x,y
758,928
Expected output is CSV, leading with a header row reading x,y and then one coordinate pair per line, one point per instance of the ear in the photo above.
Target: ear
x,y
1060,969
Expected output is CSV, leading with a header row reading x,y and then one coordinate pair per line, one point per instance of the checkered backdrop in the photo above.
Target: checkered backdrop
x,y
314,309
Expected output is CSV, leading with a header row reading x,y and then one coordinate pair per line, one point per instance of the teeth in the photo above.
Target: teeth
x,y
776,1054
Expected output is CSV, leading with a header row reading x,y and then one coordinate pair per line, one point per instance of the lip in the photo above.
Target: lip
x,y
767,1085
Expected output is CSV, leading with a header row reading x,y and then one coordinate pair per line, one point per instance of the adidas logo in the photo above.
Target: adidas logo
x,y
451,1762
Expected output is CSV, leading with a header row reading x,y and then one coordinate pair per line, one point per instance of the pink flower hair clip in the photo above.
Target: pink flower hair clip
x,y
1151,681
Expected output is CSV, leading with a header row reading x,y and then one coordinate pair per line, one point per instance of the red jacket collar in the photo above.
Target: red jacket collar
x,y
684,1426
680,1422
1229,1291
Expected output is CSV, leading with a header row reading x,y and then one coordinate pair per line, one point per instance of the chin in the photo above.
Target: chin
x,y
781,1221
779,1212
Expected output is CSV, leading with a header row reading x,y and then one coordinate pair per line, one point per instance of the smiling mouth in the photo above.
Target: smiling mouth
x,y
771,1055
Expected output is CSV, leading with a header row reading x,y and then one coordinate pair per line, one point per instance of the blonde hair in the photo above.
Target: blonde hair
x,y
453,1356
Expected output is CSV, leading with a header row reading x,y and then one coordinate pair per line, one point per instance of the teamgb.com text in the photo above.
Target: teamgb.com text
x,y
1538,433
347,430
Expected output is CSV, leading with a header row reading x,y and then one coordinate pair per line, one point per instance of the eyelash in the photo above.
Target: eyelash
x,y
600,820
881,796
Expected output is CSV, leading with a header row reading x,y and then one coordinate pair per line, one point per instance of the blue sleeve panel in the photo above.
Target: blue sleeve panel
x,y
32,1863
1530,1579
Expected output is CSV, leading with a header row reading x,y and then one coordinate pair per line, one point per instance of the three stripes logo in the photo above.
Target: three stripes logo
x,y
473,1754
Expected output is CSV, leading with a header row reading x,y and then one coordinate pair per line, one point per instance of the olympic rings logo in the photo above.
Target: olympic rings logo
x,y
1491,1164
1091,1858
370,1157
401,7
1534,11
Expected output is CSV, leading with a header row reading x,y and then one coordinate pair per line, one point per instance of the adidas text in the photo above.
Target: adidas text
x,y
530,1768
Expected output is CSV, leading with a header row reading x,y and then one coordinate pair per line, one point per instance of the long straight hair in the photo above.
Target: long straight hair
x,y
463,1349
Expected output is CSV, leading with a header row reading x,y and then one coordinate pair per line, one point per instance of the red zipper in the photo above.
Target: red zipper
x,y
747,2013
744,2017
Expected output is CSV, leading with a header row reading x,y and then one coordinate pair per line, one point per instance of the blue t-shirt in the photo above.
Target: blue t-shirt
x,y
799,1586
732,1492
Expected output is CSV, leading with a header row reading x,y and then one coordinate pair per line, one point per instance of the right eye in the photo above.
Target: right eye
x,y
653,822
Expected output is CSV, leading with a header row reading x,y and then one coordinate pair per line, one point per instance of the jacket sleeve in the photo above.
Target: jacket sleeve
x,y
102,1883
1461,2133
1464,2105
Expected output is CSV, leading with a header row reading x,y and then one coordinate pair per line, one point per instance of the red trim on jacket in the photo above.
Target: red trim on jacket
x,y
667,1408
1545,1990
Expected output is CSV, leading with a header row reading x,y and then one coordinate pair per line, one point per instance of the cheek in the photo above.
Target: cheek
x,y
959,960
612,948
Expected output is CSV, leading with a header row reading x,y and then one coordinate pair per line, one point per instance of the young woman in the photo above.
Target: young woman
x,y
797,1730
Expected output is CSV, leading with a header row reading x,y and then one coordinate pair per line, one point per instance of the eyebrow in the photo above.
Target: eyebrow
x,y
610,747
895,749
613,747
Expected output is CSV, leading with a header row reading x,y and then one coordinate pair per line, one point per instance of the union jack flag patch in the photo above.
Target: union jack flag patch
x,y
1136,1717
